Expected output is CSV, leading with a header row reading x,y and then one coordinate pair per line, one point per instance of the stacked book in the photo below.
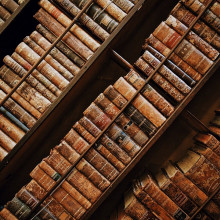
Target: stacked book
x,y
178,190
121,120
30,100
215,123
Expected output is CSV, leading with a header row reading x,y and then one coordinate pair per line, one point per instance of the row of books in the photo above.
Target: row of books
x,y
7,8
215,123
127,132
53,74
178,190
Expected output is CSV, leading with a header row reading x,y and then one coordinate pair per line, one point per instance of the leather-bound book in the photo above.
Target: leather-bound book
x,y
82,35
84,186
106,105
175,193
212,209
6,143
10,5
76,141
7,215
122,140
215,8
135,209
202,215
92,174
94,27
60,45
3,153
4,13
54,26
202,173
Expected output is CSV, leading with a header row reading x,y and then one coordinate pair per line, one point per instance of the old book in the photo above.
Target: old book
x,y
49,59
209,141
198,169
208,154
106,105
6,143
61,46
92,174
6,214
86,187
115,149
160,47
132,130
47,70
122,139
3,153
153,190
201,215
40,77
19,70
215,130
67,151
186,185
101,164
58,162
56,54
115,97
125,5
17,110
4,14
173,67
167,73
76,141
212,209
76,195
94,27
109,156
149,202
69,203
175,193
145,125
20,100
119,213
82,35
123,87
135,209
215,8
10,129
97,116
18,208
11,5
193,38
216,121
160,80
44,213
148,110
54,26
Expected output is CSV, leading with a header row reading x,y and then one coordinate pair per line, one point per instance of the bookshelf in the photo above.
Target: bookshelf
x,y
70,100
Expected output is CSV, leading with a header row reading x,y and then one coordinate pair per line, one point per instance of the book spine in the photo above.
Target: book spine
x,y
97,116
115,97
49,59
54,26
76,141
19,112
6,142
178,71
61,46
122,140
20,100
55,53
132,130
145,125
4,14
41,78
148,110
6,214
92,174
67,151
212,210
157,100
215,8
101,164
76,195
123,87
115,149
124,5
167,73
107,106
84,19
65,21
84,186
11,63
58,162
70,204
10,5
3,153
